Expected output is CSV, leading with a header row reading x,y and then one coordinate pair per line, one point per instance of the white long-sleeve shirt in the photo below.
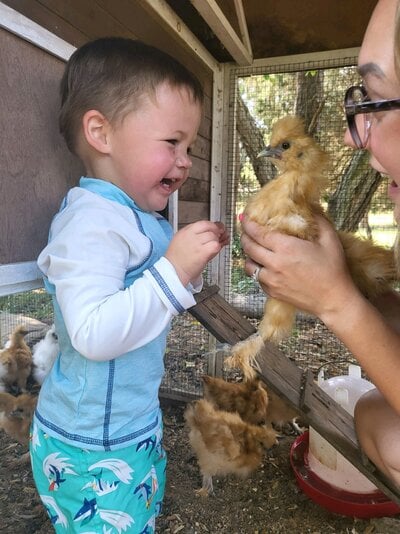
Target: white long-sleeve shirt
x,y
92,245
114,296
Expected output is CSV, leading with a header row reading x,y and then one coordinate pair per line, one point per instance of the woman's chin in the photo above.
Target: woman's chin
x,y
396,214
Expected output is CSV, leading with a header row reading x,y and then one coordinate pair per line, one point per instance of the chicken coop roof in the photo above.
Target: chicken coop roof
x,y
245,30
238,31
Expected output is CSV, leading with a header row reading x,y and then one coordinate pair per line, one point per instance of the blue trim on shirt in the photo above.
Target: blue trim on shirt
x,y
108,404
168,293
93,441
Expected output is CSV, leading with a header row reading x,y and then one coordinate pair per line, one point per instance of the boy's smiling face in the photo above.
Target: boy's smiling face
x,y
148,154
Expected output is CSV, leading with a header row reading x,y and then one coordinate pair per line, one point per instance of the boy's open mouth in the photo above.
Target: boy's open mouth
x,y
169,182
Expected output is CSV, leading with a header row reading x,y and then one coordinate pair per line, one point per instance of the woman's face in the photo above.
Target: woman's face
x,y
376,66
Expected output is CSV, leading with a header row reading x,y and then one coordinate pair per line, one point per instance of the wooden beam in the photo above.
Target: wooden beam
x,y
166,16
243,25
17,277
347,56
20,25
215,18
220,318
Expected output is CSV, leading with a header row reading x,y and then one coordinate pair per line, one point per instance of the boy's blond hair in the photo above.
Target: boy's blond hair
x,y
111,75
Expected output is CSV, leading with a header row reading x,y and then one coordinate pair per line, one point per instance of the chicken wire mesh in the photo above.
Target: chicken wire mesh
x,y
355,199
258,96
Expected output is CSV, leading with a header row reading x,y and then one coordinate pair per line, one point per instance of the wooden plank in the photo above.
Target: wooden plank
x,y
34,33
202,147
194,190
46,18
192,211
244,32
17,277
280,374
220,25
168,19
206,293
200,169
222,320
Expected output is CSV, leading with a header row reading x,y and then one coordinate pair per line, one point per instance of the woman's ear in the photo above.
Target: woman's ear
x,y
96,129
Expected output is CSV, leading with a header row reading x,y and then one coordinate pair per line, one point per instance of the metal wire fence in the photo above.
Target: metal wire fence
x,y
267,92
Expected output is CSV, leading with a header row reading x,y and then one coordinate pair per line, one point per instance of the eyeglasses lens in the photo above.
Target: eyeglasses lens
x,y
359,124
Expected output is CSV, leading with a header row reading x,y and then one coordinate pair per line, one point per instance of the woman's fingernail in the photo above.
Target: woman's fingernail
x,y
241,217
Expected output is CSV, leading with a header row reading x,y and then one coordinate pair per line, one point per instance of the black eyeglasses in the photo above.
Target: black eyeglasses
x,y
356,102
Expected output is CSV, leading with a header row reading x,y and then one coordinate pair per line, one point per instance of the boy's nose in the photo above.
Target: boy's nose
x,y
184,161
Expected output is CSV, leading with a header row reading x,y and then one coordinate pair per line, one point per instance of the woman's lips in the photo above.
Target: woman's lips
x,y
393,190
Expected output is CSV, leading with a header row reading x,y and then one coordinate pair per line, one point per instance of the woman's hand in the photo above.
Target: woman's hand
x,y
310,275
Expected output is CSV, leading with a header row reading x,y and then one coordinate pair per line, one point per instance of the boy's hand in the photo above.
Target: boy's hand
x,y
194,246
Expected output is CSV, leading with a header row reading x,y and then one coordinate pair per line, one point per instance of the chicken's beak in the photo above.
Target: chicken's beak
x,y
270,152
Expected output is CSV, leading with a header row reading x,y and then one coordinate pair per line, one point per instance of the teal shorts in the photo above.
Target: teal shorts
x,y
98,492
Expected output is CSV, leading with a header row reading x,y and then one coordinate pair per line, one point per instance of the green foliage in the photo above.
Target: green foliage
x,y
237,251
241,283
35,303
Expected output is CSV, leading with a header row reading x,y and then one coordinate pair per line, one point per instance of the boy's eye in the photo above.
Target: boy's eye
x,y
172,141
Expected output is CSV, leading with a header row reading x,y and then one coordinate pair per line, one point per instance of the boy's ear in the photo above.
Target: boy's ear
x,y
95,130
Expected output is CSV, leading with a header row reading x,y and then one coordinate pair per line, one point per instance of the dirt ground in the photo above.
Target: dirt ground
x,y
270,501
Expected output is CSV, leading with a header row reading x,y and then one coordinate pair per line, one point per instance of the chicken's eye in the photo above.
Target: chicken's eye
x,y
285,145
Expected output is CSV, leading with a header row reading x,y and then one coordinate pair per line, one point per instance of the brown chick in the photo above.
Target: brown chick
x,y
249,399
280,412
16,360
16,415
225,444
289,204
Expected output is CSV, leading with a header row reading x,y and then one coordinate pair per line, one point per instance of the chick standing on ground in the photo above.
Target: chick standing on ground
x,y
252,400
16,415
224,444
289,204
280,412
249,399
44,354
16,361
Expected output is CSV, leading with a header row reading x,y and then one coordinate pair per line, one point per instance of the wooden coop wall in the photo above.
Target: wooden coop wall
x,y
35,167
77,22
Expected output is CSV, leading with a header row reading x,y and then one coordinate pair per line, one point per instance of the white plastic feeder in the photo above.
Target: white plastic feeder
x,y
324,460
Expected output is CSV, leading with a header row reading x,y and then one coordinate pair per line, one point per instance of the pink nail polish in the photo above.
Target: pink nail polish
x,y
241,217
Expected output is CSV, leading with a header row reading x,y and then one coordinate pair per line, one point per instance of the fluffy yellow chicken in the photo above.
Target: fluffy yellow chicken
x,y
16,361
289,204
249,399
16,415
224,443
252,400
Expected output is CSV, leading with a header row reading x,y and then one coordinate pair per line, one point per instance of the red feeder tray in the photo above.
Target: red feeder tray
x,y
362,505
